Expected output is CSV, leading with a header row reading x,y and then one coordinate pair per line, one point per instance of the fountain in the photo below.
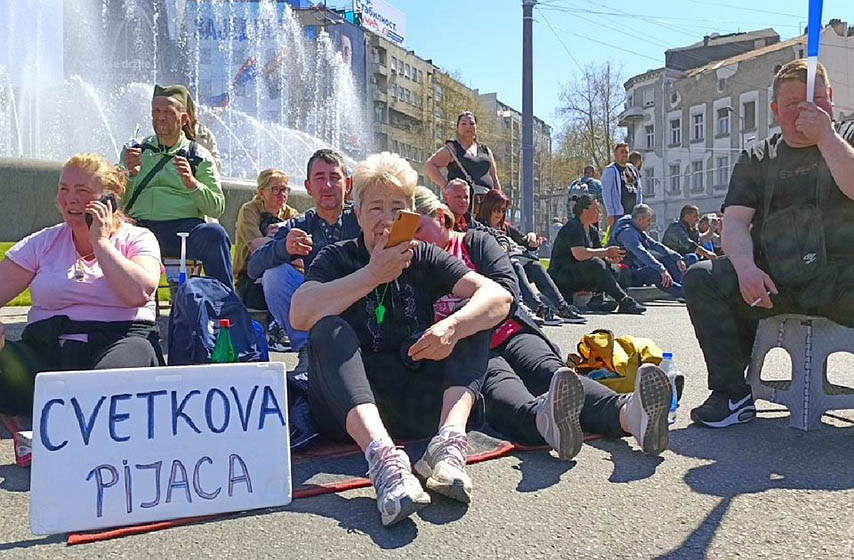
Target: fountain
x,y
77,75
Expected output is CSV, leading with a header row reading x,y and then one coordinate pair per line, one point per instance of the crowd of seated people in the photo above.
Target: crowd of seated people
x,y
397,341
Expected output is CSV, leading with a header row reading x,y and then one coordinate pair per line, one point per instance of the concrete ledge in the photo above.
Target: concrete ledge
x,y
644,294
28,188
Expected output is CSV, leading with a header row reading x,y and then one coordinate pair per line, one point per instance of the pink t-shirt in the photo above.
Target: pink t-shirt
x,y
51,255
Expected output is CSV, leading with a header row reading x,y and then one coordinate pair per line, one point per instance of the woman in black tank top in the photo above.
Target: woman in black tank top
x,y
465,158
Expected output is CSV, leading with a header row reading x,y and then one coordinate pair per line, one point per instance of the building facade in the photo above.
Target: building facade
x,y
506,144
691,124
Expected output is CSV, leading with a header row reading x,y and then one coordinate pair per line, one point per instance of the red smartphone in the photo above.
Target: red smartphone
x,y
404,227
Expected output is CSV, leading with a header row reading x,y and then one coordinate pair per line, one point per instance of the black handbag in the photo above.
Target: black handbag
x,y
792,239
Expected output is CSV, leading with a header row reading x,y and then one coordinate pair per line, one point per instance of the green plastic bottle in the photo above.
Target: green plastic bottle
x,y
223,352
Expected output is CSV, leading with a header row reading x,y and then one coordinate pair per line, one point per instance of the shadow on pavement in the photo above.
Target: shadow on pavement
x,y
51,539
630,464
14,479
360,515
763,455
540,469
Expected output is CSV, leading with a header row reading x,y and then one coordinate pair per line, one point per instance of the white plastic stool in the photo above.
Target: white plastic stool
x,y
809,341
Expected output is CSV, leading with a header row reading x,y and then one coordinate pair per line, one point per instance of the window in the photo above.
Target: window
x,y
649,182
697,121
723,121
406,71
420,76
648,97
379,114
393,91
650,137
395,147
675,132
748,112
697,179
393,64
721,85
400,67
675,186
723,170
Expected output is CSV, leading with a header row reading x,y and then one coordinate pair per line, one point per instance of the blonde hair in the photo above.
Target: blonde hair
x,y
111,177
428,204
266,177
796,70
387,170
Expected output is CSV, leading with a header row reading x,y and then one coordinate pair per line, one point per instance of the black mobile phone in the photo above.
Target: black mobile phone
x,y
110,200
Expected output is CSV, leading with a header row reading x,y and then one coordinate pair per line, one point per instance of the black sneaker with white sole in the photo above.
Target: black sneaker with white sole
x,y
723,409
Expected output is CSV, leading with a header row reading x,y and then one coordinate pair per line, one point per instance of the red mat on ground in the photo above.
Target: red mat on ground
x,y
498,449
485,448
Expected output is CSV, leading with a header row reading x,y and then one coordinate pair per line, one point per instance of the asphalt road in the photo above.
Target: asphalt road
x,y
762,490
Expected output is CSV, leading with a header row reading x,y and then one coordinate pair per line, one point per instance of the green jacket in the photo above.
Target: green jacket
x,y
166,197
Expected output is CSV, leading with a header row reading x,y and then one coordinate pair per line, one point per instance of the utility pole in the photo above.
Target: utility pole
x,y
528,115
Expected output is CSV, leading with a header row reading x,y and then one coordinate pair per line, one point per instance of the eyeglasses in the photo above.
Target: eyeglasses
x,y
280,190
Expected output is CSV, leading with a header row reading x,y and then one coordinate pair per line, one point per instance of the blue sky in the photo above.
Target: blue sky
x,y
482,39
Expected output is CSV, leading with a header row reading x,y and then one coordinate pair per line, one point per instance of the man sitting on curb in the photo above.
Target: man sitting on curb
x,y
579,262
684,237
174,184
301,239
651,262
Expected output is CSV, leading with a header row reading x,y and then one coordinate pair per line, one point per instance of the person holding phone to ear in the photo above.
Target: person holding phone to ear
x,y
365,303
92,278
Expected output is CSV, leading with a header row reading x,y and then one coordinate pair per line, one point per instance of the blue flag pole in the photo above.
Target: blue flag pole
x,y
813,36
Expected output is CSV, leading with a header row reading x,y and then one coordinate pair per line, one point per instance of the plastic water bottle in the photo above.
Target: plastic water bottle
x,y
223,352
668,367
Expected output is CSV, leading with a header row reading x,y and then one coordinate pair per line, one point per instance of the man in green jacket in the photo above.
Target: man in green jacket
x,y
174,184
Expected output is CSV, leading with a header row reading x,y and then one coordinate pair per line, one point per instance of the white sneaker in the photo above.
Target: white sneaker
x,y
399,494
647,408
443,466
558,414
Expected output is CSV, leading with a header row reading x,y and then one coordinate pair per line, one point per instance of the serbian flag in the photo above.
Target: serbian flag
x,y
813,36
218,101
246,73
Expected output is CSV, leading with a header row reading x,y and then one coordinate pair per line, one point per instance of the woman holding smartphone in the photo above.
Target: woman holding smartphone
x,y
91,284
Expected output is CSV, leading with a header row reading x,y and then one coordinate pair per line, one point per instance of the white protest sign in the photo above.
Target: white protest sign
x,y
128,446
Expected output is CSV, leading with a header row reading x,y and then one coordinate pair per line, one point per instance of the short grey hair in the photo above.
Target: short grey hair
x,y
641,211
457,183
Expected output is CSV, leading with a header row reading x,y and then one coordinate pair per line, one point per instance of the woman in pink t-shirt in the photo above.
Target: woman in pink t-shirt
x,y
92,287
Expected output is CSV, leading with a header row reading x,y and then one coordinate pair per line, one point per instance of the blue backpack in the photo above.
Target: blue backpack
x,y
197,308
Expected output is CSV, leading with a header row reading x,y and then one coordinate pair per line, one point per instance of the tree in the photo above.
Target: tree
x,y
591,105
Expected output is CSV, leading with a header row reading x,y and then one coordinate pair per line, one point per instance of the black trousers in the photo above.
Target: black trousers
x,y
342,377
594,275
522,368
530,271
20,361
725,324
250,292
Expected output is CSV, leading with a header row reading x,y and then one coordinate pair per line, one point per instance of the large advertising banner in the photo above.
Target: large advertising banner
x,y
383,19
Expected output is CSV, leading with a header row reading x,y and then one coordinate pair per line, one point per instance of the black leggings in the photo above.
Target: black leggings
x,y
593,274
529,272
522,368
21,361
342,377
